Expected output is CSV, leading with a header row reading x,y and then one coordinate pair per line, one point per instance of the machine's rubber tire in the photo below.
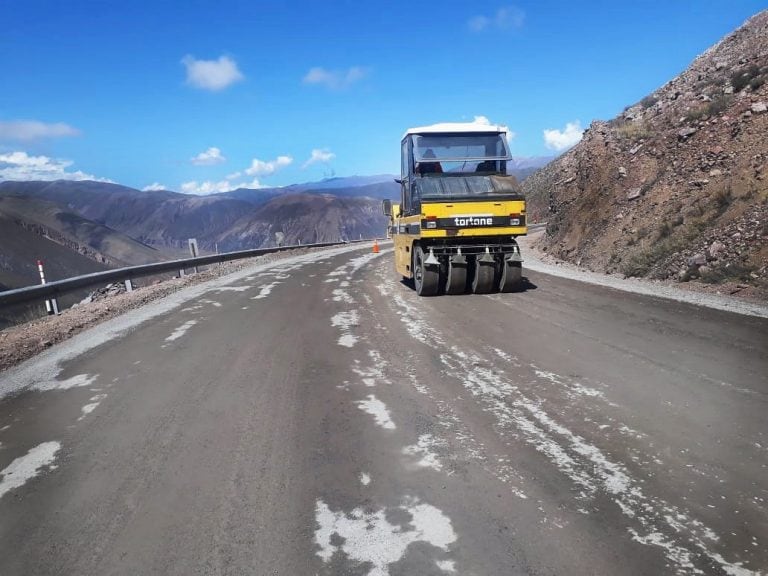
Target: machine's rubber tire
x,y
426,279
483,276
511,277
456,279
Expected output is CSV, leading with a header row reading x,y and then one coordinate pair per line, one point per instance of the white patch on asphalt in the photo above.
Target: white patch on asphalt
x,y
211,302
446,565
26,467
507,357
353,266
347,340
94,402
73,382
356,263
368,537
574,387
414,322
346,321
181,330
265,291
372,374
340,295
231,288
424,450
365,479
378,410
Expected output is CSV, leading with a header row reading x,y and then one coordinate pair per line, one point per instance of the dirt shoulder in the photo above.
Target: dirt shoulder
x,y
21,342
730,296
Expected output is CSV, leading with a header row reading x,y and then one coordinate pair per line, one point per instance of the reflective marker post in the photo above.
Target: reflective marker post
x,y
193,250
51,306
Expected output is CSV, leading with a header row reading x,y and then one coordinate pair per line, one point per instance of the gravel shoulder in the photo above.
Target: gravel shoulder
x,y
749,302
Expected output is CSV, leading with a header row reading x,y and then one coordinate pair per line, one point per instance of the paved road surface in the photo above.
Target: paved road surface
x,y
319,418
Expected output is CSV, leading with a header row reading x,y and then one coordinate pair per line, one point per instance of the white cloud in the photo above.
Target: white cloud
x,y
262,168
21,166
233,176
319,155
29,130
504,18
484,121
208,158
154,187
211,187
562,139
207,187
211,74
335,79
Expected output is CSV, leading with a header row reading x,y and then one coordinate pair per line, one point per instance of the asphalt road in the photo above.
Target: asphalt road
x,y
320,418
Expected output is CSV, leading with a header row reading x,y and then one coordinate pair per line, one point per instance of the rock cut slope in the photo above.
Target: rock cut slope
x,y
674,187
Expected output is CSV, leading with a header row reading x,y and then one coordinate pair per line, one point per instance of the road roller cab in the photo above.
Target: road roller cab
x,y
459,211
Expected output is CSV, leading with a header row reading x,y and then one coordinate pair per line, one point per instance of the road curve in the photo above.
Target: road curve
x,y
317,417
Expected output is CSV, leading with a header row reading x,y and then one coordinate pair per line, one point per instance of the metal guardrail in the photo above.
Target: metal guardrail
x,y
59,287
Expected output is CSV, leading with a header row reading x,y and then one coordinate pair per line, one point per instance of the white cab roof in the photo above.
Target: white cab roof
x,y
449,127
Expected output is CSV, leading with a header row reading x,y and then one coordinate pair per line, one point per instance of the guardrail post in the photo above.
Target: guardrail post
x,y
128,285
51,306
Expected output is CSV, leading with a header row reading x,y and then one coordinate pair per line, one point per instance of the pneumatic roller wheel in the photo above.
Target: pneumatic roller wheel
x,y
456,281
425,278
482,279
511,276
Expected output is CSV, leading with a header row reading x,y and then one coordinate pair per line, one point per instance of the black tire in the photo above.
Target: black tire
x,y
426,279
511,277
482,279
456,278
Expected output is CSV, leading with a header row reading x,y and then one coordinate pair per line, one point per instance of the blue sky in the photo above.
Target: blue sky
x,y
204,96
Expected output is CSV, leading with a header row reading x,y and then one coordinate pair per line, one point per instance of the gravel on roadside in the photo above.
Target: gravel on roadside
x,y
749,302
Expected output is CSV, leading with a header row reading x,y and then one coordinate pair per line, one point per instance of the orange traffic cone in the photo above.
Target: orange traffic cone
x,y
375,246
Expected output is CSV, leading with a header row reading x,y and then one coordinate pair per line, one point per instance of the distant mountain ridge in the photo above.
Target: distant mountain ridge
x,y
87,226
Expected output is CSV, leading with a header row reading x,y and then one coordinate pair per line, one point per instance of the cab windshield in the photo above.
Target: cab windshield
x,y
456,147
455,154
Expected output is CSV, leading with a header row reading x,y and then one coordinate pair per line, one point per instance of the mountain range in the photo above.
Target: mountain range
x,y
78,227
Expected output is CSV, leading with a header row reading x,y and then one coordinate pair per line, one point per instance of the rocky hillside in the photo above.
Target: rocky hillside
x,y
305,219
677,185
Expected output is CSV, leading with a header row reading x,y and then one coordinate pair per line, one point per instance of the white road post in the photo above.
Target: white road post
x,y
193,250
51,306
